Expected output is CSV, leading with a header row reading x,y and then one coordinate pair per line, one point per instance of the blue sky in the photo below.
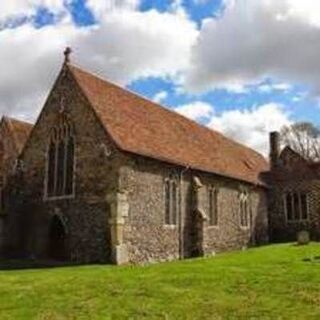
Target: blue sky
x,y
300,106
212,60
304,109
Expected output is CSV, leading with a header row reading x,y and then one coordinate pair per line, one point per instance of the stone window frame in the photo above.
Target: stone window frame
x,y
171,216
292,193
213,210
61,125
245,209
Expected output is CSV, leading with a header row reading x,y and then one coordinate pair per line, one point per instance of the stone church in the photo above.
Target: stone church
x,y
105,175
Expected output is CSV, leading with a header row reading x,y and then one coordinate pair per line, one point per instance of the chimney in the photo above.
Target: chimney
x,y
274,148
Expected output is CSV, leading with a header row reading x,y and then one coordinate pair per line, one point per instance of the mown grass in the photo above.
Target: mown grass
x,y
272,282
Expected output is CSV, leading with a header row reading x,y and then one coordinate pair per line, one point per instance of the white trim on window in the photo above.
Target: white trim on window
x,y
171,203
245,210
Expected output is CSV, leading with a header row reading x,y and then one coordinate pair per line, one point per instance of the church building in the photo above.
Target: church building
x,y
105,175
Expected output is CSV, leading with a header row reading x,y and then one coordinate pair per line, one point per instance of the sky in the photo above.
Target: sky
x,y
242,67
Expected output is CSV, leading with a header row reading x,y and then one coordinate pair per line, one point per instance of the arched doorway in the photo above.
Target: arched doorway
x,y
57,248
198,220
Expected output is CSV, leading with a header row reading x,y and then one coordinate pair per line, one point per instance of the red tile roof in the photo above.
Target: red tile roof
x,y
20,131
142,127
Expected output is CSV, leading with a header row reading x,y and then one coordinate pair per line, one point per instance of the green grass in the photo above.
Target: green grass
x,y
272,282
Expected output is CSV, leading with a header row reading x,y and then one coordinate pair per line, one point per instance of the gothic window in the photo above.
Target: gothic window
x,y
296,206
289,206
60,175
304,206
171,202
60,160
174,199
167,201
70,165
245,210
51,168
213,206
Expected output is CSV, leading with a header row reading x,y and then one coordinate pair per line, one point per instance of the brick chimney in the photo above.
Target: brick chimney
x,y
274,149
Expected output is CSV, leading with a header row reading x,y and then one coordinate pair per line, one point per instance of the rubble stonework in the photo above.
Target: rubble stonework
x,y
117,211
13,135
293,175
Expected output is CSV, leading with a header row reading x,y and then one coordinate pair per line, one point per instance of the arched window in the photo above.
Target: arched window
x,y
174,203
167,201
60,160
171,202
213,206
70,165
51,168
61,149
245,209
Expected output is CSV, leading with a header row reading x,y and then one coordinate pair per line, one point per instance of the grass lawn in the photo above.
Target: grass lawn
x,y
272,282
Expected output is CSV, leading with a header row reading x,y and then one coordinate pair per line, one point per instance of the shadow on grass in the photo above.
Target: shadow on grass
x,y
312,259
23,264
19,264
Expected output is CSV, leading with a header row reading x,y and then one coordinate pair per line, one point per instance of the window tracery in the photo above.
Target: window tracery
x,y
60,160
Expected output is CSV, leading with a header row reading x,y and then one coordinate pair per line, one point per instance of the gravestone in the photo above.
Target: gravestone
x,y
303,237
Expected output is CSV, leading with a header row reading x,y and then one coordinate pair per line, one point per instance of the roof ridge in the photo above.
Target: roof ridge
x,y
18,120
289,148
8,121
14,126
157,105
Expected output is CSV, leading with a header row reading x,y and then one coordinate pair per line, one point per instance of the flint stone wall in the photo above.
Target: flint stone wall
x,y
96,174
282,230
149,239
140,236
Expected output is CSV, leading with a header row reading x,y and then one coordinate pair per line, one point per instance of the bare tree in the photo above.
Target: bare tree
x,y
304,138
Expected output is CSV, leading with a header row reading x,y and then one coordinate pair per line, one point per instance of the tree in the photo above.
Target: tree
x,y
304,138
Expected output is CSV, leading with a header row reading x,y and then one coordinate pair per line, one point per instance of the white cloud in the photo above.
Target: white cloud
x,y
265,88
125,46
16,8
306,10
253,40
268,88
234,87
28,68
196,110
252,126
128,45
102,7
282,86
160,96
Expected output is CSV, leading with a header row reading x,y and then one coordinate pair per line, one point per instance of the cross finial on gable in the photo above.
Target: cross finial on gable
x,y
67,54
